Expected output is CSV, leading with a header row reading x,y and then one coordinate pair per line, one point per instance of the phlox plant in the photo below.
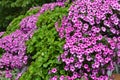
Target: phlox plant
x,y
13,26
92,39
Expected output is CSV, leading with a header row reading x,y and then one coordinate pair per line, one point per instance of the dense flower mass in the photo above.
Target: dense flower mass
x,y
92,34
14,44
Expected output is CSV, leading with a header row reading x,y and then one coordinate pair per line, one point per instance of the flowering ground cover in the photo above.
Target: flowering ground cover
x,y
64,40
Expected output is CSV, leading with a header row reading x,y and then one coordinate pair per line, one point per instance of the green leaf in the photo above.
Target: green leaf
x,y
62,72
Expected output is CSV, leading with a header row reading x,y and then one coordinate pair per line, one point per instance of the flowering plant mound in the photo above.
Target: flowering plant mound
x,y
13,55
92,34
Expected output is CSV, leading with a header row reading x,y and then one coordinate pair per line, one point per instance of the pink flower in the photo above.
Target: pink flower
x,y
67,61
100,37
88,58
72,68
107,60
54,70
71,59
103,29
119,38
96,64
54,78
62,77
118,53
66,68
86,66
113,30
118,45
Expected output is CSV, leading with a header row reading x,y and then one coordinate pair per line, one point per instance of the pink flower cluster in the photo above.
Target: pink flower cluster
x,y
54,70
92,34
14,44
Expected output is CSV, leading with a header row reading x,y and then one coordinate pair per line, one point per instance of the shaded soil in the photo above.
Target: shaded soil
x,y
116,76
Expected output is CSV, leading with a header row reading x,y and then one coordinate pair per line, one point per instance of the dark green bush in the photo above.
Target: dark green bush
x,y
10,9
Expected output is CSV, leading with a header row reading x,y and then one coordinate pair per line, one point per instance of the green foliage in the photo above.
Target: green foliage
x,y
15,23
45,46
1,51
10,9
23,3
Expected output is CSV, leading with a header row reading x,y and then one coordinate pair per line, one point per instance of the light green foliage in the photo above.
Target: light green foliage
x,y
45,46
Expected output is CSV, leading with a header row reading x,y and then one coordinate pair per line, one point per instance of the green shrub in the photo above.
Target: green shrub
x,y
45,46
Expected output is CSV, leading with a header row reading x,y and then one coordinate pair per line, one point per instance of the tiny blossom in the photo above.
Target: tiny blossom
x,y
115,39
97,64
54,70
107,23
54,78
71,59
85,66
66,68
113,30
74,76
67,61
100,37
76,64
118,45
89,58
62,77
118,53
107,60
103,29
119,38
72,68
